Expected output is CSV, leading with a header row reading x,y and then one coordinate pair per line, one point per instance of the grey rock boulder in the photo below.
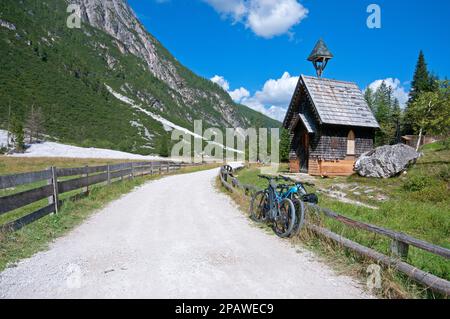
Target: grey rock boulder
x,y
386,161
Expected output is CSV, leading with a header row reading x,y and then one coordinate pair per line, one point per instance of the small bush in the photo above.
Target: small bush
x,y
417,183
446,144
435,193
444,173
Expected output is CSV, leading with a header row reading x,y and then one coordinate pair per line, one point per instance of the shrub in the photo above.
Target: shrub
x,y
446,144
444,173
434,193
417,183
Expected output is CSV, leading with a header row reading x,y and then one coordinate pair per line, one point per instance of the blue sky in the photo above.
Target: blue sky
x,y
248,43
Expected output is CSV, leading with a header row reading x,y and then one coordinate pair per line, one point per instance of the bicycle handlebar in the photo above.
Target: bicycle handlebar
x,y
297,182
287,179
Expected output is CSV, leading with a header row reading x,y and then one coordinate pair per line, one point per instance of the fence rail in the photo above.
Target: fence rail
x,y
399,244
64,180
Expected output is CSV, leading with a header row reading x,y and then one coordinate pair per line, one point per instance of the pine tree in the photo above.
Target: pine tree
x,y
164,146
18,134
421,80
396,120
434,83
35,124
284,145
383,104
8,128
369,97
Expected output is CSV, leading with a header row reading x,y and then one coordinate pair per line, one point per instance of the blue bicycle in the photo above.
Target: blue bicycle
x,y
297,193
270,206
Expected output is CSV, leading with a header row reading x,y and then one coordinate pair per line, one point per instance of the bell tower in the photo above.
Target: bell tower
x,y
320,56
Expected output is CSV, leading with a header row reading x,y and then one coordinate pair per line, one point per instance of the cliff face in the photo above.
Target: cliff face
x,y
116,18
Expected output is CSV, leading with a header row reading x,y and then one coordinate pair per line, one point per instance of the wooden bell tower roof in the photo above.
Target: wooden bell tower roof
x,y
320,52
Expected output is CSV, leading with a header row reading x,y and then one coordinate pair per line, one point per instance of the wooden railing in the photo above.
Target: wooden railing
x,y
64,180
400,242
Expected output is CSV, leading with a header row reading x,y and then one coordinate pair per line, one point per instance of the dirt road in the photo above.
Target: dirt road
x,y
177,237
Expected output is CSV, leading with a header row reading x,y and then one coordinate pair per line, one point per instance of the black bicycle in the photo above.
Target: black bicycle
x,y
270,206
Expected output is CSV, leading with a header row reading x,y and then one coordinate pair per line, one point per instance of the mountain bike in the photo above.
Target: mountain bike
x,y
297,193
269,206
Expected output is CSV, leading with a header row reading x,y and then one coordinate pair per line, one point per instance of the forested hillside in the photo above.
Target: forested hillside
x,y
65,71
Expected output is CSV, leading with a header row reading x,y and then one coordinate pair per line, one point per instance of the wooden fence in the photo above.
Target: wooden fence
x,y
63,180
399,242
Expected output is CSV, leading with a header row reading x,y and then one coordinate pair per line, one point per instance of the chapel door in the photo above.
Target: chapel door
x,y
351,143
303,152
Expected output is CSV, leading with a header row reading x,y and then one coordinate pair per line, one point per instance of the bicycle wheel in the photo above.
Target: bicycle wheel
x,y
285,221
299,214
259,206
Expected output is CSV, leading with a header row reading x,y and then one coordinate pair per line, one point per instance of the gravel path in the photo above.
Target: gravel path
x,y
174,238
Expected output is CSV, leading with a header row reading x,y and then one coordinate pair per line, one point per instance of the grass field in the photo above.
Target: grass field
x,y
418,204
37,236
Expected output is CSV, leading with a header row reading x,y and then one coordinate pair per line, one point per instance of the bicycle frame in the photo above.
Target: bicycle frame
x,y
274,199
294,189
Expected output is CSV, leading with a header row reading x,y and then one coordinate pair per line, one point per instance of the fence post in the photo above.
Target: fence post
x,y
54,182
159,168
132,170
109,175
168,167
151,168
86,169
50,182
399,249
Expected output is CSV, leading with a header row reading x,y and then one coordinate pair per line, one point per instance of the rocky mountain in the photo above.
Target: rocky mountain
x,y
117,19
84,78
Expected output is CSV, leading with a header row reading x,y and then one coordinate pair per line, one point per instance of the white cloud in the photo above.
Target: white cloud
x,y
272,100
398,91
239,94
220,80
272,111
276,112
234,8
266,18
278,92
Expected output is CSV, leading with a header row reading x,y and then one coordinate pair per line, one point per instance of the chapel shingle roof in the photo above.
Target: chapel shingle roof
x,y
336,102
